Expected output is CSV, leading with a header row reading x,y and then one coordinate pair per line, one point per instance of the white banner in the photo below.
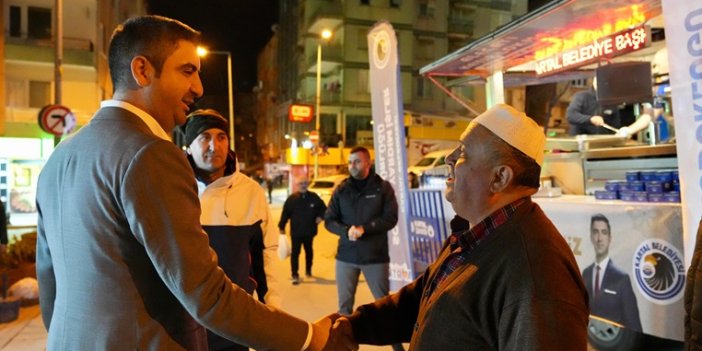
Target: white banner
x,y
646,285
389,141
683,33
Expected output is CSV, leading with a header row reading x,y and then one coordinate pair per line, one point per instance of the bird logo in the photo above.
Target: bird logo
x,y
659,271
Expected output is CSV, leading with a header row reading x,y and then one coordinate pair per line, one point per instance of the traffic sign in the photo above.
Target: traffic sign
x,y
57,120
314,136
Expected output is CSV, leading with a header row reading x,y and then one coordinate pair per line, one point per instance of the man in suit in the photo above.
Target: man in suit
x,y
122,260
505,279
611,295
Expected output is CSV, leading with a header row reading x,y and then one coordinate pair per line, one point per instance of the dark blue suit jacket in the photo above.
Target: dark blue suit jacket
x,y
616,300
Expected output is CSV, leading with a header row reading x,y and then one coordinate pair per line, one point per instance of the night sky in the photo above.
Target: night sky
x,y
242,27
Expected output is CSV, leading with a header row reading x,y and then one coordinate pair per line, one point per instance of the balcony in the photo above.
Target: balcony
x,y
331,59
76,51
460,28
325,14
501,5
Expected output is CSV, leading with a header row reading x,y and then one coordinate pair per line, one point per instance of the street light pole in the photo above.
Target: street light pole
x,y
231,100
317,107
203,52
326,35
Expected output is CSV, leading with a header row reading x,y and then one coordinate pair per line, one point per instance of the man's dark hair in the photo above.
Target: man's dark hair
x,y
154,37
526,171
362,150
600,218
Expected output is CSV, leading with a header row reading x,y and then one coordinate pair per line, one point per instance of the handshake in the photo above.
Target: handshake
x,y
332,332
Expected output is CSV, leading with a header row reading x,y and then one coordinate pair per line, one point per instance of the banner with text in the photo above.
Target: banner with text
x,y
683,28
389,141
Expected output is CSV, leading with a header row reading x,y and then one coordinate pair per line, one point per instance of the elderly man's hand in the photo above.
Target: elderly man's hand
x,y
320,332
341,337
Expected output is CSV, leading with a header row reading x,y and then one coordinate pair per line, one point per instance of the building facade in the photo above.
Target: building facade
x,y
426,30
28,83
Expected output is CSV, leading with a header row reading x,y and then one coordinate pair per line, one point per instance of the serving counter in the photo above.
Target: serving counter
x,y
582,165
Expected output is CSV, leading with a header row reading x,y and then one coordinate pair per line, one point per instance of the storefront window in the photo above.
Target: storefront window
x,y
359,131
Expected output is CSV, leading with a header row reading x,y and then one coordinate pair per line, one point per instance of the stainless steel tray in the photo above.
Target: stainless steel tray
x,y
584,142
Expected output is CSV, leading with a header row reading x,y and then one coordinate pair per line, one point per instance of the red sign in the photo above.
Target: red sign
x,y
314,136
606,47
300,113
57,120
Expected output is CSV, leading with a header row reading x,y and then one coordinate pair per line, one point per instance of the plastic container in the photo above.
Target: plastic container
x,y
654,187
633,176
612,185
655,197
626,195
636,185
605,195
671,196
640,196
648,176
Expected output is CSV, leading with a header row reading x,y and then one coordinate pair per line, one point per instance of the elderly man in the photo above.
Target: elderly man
x,y
507,280
122,260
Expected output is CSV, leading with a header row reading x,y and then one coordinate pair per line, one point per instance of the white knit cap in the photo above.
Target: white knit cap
x,y
516,129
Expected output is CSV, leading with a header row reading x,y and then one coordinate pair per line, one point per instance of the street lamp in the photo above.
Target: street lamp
x,y
202,52
325,36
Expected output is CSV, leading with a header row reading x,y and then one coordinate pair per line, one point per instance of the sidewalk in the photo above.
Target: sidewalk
x,y
312,299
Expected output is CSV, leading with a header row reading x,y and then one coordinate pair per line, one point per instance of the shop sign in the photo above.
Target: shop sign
x,y
300,113
606,47
57,120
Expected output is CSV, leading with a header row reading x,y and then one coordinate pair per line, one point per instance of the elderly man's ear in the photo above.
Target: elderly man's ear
x,y
501,178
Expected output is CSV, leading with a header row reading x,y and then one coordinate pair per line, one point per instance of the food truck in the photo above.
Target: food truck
x,y
588,180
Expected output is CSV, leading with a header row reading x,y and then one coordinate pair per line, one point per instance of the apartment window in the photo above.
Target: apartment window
x,y
38,23
363,86
395,3
16,93
426,8
359,130
39,94
15,21
425,49
423,88
363,38
365,2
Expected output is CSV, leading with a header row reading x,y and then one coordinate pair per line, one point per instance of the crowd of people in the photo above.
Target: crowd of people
x,y
144,246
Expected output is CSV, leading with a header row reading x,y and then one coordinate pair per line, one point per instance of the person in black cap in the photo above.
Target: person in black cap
x,y
235,213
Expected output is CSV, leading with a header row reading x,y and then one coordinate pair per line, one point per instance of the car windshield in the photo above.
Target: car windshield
x,y
427,161
322,184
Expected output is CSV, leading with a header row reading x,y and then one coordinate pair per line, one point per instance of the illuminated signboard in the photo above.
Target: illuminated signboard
x,y
300,113
603,48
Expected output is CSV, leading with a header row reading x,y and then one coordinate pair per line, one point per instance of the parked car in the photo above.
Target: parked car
x,y
432,169
324,186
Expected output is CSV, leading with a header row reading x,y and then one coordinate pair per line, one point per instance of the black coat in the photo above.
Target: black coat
x,y
374,207
583,106
302,209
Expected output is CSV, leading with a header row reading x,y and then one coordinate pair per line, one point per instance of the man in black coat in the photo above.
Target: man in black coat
x,y
305,210
586,116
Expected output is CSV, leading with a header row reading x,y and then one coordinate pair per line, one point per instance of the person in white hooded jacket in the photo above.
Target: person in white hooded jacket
x,y
235,213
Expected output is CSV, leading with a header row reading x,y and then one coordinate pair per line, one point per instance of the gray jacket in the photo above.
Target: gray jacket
x,y
122,261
